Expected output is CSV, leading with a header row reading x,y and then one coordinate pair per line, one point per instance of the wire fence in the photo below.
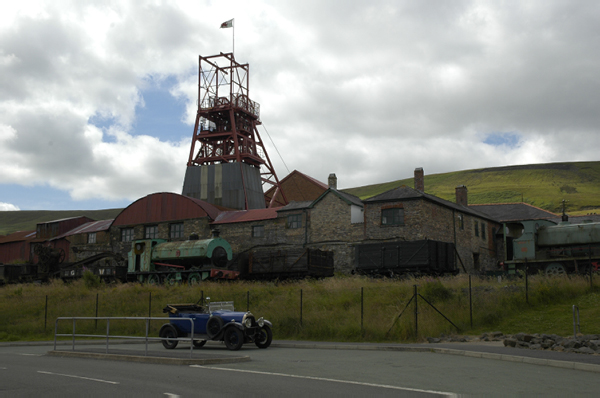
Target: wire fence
x,y
378,311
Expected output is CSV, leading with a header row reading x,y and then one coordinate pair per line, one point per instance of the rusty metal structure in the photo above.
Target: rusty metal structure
x,y
228,164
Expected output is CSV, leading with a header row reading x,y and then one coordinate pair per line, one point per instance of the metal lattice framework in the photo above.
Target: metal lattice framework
x,y
225,129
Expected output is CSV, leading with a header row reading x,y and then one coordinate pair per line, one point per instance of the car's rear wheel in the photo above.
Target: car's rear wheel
x,y
199,343
213,327
234,338
168,332
264,337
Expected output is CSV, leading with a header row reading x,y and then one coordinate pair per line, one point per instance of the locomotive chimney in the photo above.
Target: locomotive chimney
x,y
461,196
215,233
419,179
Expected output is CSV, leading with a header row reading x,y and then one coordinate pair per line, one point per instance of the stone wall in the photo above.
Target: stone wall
x,y
424,219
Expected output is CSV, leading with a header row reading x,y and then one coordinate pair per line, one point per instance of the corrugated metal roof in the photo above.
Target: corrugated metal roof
x,y
18,236
90,227
165,206
228,217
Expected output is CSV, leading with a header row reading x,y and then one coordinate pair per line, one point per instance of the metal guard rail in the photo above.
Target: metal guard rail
x,y
108,336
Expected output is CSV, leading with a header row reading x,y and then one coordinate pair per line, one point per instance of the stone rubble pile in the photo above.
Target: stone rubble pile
x,y
581,344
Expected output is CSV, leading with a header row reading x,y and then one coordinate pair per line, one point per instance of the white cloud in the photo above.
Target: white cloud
x,y
368,90
8,207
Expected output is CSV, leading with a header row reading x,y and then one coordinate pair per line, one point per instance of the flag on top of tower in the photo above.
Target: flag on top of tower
x,y
227,24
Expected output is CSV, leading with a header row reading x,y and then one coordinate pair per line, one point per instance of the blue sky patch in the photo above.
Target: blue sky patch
x,y
161,116
43,197
510,140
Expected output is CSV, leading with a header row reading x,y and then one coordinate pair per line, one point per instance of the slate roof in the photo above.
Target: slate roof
x,y
505,212
346,197
296,205
406,193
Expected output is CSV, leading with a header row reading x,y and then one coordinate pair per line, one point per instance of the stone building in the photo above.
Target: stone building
x,y
410,214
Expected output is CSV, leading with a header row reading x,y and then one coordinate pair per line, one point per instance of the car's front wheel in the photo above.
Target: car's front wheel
x,y
168,332
264,337
234,338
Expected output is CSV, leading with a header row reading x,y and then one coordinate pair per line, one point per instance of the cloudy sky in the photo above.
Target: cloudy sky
x,y
98,98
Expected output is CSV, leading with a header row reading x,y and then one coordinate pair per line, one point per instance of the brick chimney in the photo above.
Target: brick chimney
x,y
419,179
332,181
461,196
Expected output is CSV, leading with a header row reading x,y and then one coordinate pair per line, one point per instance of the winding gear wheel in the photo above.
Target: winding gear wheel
x,y
49,258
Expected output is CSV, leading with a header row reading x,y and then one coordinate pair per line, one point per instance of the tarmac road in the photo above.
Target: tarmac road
x,y
317,369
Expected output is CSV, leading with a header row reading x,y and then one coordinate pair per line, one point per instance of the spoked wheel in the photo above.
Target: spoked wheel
x,y
555,269
153,280
213,327
264,337
199,343
194,279
171,280
168,332
234,338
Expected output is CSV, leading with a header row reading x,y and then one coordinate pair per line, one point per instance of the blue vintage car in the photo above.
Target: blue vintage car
x,y
215,321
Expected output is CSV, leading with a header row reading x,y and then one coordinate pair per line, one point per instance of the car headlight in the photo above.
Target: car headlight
x,y
248,322
261,322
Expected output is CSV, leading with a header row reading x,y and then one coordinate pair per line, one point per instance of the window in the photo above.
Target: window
x,y
126,234
92,237
151,232
392,216
483,231
258,231
476,228
294,221
461,221
176,231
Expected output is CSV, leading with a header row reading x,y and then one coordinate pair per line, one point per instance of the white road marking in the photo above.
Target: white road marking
x,y
168,394
448,394
79,377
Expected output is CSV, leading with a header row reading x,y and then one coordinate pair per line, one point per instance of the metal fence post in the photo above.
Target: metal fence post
x,y
362,301
46,313
526,282
416,314
300,307
248,301
470,302
96,325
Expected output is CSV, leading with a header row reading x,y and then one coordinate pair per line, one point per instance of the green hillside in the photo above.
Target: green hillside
x,y
541,185
26,220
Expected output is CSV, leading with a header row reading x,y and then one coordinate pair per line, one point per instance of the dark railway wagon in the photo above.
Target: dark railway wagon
x,y
288,263
425,257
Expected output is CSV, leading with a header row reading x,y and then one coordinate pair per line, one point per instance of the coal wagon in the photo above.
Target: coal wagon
x,y
421,257
288,263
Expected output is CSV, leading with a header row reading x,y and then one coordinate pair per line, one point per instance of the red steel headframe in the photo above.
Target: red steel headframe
x,y
225,129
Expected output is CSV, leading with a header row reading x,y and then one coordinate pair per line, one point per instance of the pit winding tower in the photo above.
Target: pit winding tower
x,y
228,163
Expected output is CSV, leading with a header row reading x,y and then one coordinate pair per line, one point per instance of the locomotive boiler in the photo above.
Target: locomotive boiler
x,y
554,249
158,261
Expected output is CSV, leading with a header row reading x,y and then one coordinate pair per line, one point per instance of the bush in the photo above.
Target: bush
x,y
435,291
91,281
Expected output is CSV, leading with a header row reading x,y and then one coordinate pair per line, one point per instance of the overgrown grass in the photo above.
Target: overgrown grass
x,y
330,310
